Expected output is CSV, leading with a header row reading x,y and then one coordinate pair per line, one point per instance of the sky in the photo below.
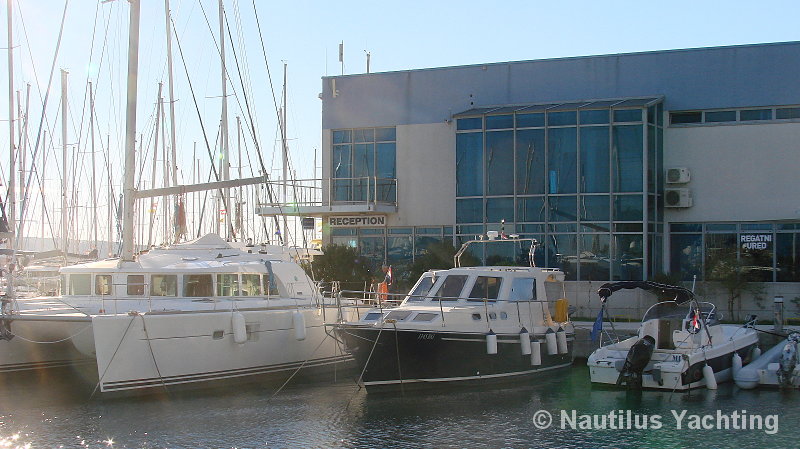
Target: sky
x,y
305,35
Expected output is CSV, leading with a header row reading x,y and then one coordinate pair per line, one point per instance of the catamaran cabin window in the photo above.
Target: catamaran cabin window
x,y
164,285
451,287
422,289
523,289
485,288
198,285
251,285
102,284
227,285
80,284
135,284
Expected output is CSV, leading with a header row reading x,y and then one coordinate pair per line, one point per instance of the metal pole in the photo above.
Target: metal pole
x,y
64,241
285,152
778,309
130,133
225,150
12,152
94,180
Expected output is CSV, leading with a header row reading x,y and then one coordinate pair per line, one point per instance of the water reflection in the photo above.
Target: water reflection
x,y
61,415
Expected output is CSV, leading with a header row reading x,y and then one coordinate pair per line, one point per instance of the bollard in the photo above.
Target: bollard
x,y
778,309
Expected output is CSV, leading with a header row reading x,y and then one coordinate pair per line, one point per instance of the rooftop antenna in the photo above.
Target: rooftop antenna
x,y
368,56
341,55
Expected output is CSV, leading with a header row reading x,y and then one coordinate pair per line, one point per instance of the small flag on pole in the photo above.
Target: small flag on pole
x,y
598,325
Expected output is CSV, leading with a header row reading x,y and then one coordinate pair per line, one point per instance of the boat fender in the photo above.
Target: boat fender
x,y
736,364
550,338
299,324
755,353
536,353
708,375
561,340
239,328
491,343
525,341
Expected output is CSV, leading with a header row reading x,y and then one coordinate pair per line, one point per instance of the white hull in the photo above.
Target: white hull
x,y
675,369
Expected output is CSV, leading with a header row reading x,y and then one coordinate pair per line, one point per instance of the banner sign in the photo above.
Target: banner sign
x,y
756,241
357,221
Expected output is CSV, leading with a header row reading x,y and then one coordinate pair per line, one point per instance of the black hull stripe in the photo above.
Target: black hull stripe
x,y
218,375
43,365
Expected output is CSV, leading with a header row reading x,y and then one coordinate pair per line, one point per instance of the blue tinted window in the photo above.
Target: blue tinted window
x,y
627,262
594,174
563,254
595,207
628,208
469,164
463,124
627,158
755,114
562,160
787,113
499,161
627,115
563,208
530,162
686,227
342,136
530,120
342,169
594,256
385,134
677,118
386,171
561,118
530,209
363,169
499,121
469,210
364,135
498,209
720,116
596,117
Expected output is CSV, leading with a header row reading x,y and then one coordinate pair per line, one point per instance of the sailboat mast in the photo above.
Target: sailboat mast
x,y
11,186
153,206
130,133
94,174
64,223
285,158
225,150
174,165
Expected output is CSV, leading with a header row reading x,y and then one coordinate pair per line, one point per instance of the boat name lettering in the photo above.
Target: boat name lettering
x,y
425,337
357,220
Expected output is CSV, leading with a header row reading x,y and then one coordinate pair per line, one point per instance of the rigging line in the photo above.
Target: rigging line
x,y
203,128
302,365
99,381
254,134
24,205
153,354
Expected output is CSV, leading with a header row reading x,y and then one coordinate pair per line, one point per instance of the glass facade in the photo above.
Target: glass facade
x,y
364,165
764,252
586,182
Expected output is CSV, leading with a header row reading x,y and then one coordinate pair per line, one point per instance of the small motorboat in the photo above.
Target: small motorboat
x,y
466,324
680,344
778,367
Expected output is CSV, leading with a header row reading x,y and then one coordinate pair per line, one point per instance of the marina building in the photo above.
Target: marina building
x,y
622,166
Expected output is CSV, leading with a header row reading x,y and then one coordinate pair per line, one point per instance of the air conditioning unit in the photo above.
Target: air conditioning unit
x,y
677,197
678,175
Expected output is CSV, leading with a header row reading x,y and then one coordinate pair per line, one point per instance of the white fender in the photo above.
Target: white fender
x,y
561,340
550,339
525,341
491,343
708,375
736,364
299,324
536,353
239,328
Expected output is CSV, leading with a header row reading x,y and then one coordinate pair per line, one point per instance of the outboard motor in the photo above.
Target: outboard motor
x,y
788,361
638,358
5,324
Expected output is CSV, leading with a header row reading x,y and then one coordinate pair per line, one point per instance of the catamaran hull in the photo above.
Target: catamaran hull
x,y
37,344
161,350
418,357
